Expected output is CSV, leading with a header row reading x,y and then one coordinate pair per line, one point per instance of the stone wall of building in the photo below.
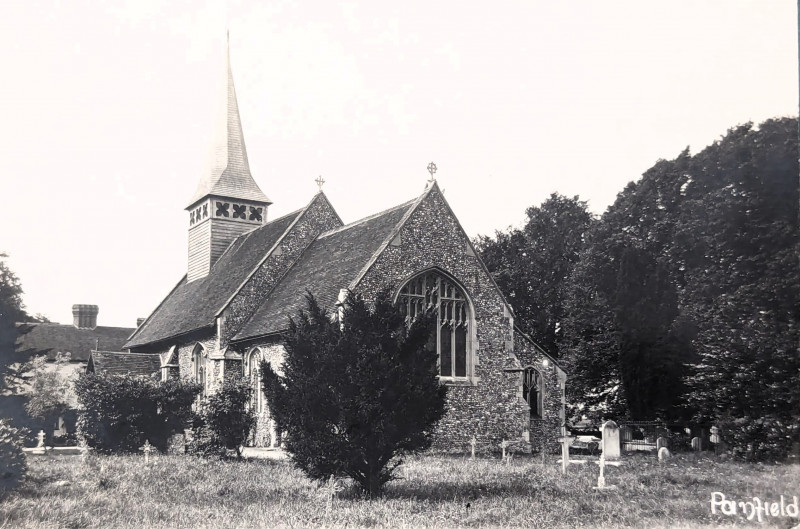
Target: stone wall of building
x,y
317,218
544,432
488,405
272,351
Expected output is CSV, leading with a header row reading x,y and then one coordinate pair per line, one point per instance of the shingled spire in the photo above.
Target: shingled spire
x,y
227,202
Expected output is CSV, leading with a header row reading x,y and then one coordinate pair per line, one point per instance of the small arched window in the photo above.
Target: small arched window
x,y
199,364
434,291
532,391
253,372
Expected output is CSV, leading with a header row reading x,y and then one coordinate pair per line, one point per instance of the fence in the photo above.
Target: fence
x,y
643,436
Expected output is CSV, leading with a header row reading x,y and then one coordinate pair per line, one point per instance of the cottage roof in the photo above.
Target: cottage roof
x,y
131,364
52,338
227,173
192,306
328,265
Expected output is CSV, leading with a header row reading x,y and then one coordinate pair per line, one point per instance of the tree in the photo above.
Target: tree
x,y
531,265
12,311
356,396
686,279
225,420
740,240
49,390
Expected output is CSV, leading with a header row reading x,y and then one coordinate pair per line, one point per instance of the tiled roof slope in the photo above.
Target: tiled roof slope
x,y
51,338
192,306
228,171
328,265
132,364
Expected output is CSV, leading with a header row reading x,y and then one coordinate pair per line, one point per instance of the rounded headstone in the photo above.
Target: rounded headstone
x,y
663,453
697,444
661,442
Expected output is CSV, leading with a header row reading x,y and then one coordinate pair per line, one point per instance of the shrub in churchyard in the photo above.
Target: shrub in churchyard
x,y
120,413
224,421
357,393
12,460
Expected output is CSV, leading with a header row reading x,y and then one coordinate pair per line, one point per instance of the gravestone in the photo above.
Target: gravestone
x,y
715,437
663,453
40,439
176,444
611,446
472,443
697,444
661,442
601,479
565,442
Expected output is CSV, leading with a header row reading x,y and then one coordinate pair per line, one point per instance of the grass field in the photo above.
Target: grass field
x,y
183,491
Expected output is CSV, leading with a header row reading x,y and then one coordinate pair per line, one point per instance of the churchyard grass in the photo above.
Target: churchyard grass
x,y
183,491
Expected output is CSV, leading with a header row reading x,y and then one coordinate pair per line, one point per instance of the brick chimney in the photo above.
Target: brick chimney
x,y
85,316
139,322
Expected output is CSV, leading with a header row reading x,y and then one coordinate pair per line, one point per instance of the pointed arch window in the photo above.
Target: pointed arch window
x,y
532,391
253,373
452,336
199,366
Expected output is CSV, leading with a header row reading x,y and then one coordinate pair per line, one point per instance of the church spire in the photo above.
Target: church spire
x,y
227,173
228,202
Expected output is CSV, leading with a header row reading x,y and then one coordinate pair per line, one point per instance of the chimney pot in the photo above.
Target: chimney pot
x,y
139,322
85,316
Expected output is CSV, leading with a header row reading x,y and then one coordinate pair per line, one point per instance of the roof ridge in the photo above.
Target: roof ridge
x,y
365,219
125,353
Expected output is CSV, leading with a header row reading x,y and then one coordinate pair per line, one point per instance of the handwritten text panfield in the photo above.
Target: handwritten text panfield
x,y
755,508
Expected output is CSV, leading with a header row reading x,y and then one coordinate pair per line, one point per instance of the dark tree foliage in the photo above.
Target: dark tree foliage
x,y
357,397
12,311
120,413
740,241
687,292
225,420
531,265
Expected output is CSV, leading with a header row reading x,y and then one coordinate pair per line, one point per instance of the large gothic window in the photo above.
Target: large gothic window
x,y
253,373
532,391
434,291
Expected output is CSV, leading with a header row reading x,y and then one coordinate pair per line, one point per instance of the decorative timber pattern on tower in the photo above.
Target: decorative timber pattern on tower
x,y
227,202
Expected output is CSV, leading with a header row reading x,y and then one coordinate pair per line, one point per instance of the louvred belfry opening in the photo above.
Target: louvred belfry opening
x,y
451,338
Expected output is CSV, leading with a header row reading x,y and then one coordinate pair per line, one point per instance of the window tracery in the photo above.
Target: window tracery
x,y
435,292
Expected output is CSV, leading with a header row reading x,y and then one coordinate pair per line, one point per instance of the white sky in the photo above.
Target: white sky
x,y
106,114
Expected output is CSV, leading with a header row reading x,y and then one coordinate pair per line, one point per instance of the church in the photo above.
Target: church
x,y
247,274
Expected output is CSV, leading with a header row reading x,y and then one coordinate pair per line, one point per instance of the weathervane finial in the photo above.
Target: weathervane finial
x,y
320,181
432,171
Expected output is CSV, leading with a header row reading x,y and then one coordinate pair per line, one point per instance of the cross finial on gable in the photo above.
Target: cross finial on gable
x,y
320,181
432,171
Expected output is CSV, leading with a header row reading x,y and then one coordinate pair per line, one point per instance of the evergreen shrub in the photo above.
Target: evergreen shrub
x,y
120,413
224,421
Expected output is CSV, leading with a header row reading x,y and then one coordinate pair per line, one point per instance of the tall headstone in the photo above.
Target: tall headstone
x,y
661,442
611,446
697,444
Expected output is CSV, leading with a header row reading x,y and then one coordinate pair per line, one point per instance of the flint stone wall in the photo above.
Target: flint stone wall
x,y
489,406
319,217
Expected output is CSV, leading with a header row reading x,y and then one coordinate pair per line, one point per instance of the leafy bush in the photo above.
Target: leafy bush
x,y
12,460
224,421
357,396
120,413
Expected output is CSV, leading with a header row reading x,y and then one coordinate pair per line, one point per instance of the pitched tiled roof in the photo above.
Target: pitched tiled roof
x,y
192,306
110,363
228,172
328,265
52,338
